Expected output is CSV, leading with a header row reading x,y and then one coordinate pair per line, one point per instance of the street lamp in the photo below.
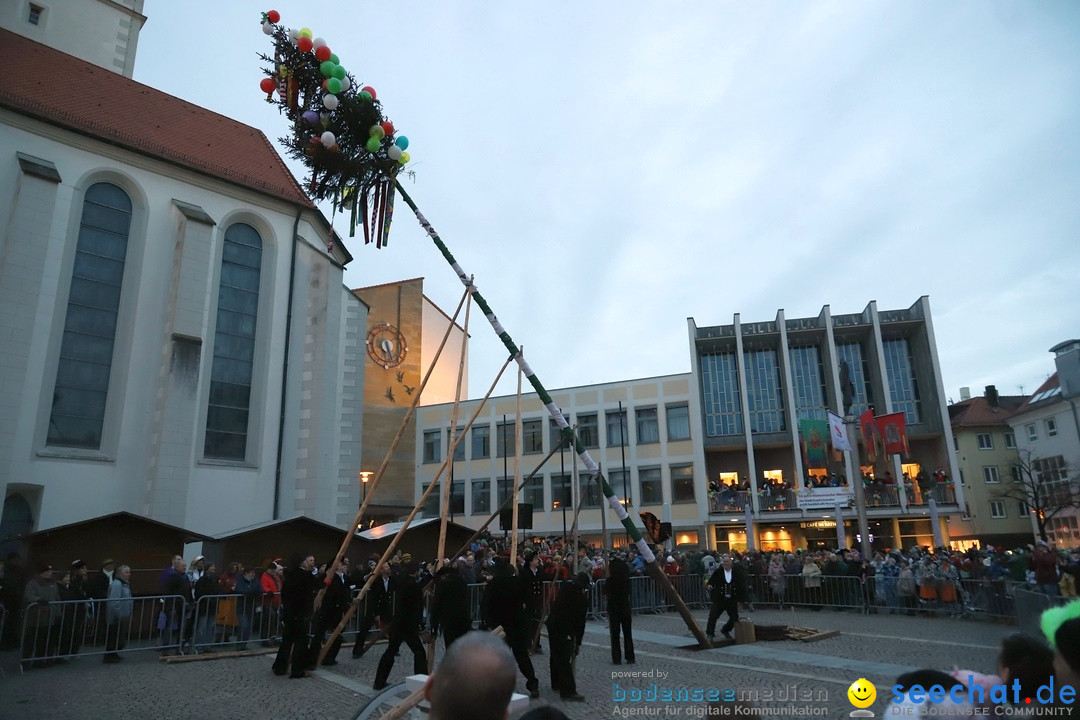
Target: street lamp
x,y
365,477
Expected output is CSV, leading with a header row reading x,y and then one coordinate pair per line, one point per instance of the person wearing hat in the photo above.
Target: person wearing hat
x,y
74,613
42,601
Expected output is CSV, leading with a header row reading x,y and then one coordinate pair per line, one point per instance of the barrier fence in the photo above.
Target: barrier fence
x,y
169,624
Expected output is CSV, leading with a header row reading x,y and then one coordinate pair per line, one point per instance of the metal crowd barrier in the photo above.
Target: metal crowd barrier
x,y
63,629
1030,604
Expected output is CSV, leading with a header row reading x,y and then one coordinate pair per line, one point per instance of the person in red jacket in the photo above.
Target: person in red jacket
x,y
1044,562
271,602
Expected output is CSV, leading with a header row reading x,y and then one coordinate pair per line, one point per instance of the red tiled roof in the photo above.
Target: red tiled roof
x,y
63,90
977,412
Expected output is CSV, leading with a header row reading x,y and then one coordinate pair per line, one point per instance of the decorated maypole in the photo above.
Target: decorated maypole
x,y
354,157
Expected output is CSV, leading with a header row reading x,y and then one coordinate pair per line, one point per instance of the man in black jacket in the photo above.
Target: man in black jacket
x,y
408,601
727,588
504,605
450,607
335,602
375,605
617,589
298,589
533,580
566,628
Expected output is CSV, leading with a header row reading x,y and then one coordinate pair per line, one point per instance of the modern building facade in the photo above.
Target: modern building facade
x,y
640,432
177,340
986,453
756,381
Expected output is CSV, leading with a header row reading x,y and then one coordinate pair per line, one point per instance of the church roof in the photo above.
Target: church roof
x,y
62,90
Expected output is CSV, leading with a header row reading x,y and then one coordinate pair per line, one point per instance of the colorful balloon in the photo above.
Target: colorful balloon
x,y
333,85
305,32
405,157
273,16
319,42
345,83
402,142
328,139
370,91
326,68
311,117
364,95
268,29
387,127
376,131
393,152
335,59
373,144
330,102
338,72
294,35
303,44
267,85
322,52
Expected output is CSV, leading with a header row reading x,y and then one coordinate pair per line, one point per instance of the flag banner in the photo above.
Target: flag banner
x,y
814,436
824,498
653,527
838,433
893,432
870,434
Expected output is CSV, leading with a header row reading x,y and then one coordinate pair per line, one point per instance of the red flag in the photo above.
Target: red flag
x,y
869,430
893,432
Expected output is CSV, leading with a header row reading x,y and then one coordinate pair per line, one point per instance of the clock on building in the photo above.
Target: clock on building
x,y
386,345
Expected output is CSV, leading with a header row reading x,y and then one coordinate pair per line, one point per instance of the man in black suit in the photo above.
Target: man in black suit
x,y
375,605
727,588
533,580
450,607
504,606
298,589
408,602
335,602
566,629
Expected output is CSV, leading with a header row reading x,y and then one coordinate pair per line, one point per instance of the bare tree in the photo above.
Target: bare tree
x,y
1043,485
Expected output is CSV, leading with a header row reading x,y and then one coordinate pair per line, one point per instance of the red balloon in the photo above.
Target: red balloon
x,y
304,44
323,53
370,90
268,85
273,16
388,127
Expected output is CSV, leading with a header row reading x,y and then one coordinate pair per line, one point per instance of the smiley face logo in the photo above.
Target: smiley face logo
x,y
862,693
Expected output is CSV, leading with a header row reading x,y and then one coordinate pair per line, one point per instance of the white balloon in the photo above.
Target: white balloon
x,y
268,29
345,83
328,139
318,42
394,153
330,102
294,34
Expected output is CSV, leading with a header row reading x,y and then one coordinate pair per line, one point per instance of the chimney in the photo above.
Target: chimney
x,y
965,393
1067,364
991,395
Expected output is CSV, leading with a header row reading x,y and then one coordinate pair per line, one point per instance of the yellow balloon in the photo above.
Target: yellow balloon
x,y
376,131
405,157
305,32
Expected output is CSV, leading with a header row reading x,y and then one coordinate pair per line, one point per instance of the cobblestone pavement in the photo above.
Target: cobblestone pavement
x,y
785,674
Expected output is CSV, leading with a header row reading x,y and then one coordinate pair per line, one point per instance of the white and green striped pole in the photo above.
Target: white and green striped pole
x,y
564,427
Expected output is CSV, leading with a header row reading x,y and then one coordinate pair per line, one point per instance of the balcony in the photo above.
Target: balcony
x,y
942,494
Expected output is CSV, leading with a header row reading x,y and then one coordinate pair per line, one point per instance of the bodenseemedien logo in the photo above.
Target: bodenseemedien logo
x,y
862,694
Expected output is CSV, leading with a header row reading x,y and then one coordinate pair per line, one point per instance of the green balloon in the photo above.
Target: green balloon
x,y
326,68
333,86
364,95
373,144
338,72
334,59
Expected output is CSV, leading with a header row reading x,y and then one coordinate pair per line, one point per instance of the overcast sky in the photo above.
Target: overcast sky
x,y
607,169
